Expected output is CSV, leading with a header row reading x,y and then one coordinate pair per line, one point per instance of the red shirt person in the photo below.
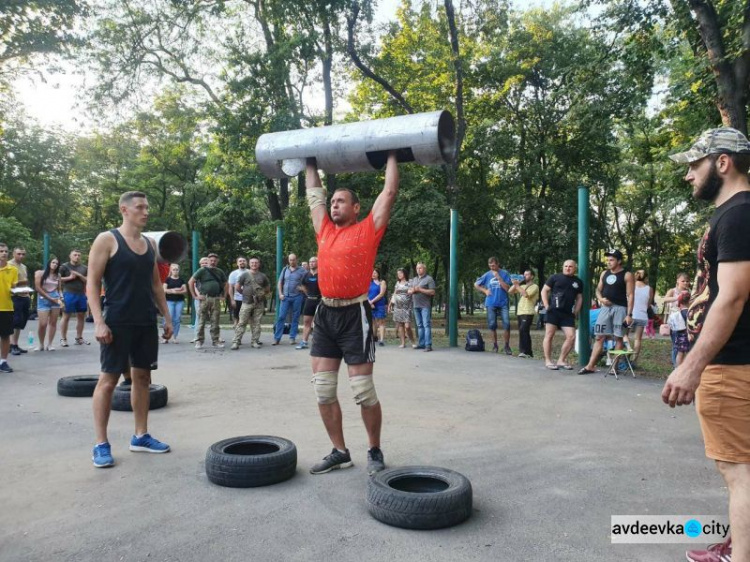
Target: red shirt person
x,y
343,321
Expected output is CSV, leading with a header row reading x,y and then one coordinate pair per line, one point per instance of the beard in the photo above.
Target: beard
x,y
709,189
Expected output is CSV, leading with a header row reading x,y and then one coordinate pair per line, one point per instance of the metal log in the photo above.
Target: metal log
x,y
171,246
425,138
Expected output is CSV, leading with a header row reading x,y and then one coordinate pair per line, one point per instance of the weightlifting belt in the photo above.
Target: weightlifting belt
x,y
338,303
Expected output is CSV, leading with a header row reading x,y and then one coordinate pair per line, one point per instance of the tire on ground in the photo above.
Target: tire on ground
x,y
77,386
251,461
157,397
419,497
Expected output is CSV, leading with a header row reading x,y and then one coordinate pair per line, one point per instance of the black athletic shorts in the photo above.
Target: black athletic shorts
x,y
236,310
131,345
560,318
6,323
346,332
311,303
21,309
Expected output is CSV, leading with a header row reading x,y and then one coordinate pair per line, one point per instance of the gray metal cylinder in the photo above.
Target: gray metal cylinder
x,y
171,246
424,138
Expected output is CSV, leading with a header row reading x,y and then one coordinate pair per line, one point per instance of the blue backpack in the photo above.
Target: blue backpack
x,y
474,341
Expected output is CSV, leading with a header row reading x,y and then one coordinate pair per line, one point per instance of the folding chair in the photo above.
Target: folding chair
x,y
617,355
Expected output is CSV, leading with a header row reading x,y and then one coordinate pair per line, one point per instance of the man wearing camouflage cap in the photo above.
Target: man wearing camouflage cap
x,y
716,372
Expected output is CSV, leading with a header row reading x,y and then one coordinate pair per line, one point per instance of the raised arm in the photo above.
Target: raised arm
x,y
381,210
316,194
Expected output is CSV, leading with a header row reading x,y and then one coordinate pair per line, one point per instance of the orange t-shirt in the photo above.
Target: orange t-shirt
x,y
346,257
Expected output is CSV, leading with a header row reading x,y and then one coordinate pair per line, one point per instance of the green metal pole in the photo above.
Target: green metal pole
x,y
453,298
584,340
45,252
196,261
279,263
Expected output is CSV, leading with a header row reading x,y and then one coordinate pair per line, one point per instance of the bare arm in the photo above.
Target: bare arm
x,y
502,282
312,180
381,294
381,210
193,291
599,287
101,250
38,286
482,289
545,295
734,287
630,292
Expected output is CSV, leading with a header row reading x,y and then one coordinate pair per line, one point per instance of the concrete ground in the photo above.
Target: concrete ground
x,y
551,457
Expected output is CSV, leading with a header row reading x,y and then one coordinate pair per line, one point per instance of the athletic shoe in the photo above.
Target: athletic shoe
x,y
256,345
102,456
63,342
381,343
276,342
125,383
719,552
375,461
50,348
427,348
199,345
302,345
507,350
334,461
5,368
235,346
414,346
147,444
292,341
523,355
15,350
219,344
495,348
81,341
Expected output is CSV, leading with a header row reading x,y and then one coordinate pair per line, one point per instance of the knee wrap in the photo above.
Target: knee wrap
x,y
326,383
364,390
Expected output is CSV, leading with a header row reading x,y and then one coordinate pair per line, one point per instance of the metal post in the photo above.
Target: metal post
x,y
279,263
45,252
584,340
196,261
453,298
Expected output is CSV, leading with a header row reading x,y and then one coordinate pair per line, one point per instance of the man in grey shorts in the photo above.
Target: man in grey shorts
x,y
615,293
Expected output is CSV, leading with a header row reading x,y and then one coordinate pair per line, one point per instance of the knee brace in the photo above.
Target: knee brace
x,y
325,384
364,390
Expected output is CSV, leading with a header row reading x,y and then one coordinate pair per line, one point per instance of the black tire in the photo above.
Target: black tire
x,y
157,397
79,386
251,461
419,497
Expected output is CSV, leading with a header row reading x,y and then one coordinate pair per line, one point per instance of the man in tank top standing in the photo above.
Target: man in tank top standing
x,y
615,293
127,330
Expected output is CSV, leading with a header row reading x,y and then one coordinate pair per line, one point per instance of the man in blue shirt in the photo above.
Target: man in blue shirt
x,y
495,284
290,297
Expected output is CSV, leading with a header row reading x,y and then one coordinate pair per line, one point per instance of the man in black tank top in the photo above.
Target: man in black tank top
x,y
615,293
127,330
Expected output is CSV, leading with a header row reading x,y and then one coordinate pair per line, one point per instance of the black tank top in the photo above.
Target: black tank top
x,y
311,284
614,288
128,278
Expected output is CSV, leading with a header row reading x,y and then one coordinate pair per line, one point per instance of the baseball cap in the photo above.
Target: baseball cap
x,y
617,254
714,141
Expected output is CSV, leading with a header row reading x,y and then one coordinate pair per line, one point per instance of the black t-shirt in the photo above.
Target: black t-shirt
x,y
564,290
173,283
727,239
311,284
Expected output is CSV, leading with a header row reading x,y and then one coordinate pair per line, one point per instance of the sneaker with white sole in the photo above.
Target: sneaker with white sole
x,y
302,345
199,345
256,345
147,444
334,461
102,456
719,552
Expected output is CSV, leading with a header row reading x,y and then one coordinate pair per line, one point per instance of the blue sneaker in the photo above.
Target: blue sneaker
x,y
5,368
302,345
147,444
102,456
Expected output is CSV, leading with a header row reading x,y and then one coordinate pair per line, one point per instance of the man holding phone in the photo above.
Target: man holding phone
x,y
127,330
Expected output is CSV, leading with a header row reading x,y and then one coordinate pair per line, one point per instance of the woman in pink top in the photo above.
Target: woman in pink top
x,y
48,306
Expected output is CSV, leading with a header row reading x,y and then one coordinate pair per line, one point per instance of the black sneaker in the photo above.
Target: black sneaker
x,y
126,383
15,350
507,350
5,368
335,460
375,461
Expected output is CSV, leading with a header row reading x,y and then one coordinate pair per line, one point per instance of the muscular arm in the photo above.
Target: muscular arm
x,y
101,250
630,292
381,210
599,288
734,283
312,180
545,295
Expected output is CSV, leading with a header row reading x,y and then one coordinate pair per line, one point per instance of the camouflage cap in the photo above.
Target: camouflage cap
x,y
723,140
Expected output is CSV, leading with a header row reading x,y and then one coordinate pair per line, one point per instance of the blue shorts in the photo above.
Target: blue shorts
x,y
43,305
75,302
492,312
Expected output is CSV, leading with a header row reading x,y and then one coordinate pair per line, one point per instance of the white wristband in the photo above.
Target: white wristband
x,y
316,196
